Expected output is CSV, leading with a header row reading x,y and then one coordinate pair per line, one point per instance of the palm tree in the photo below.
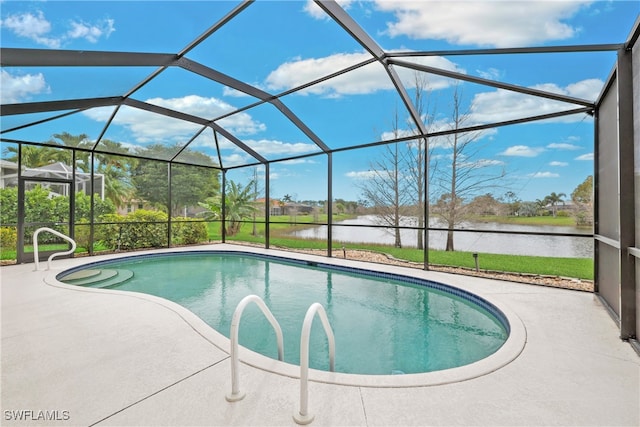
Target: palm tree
x,y
553,199
117,172
239,205
33,156
116,184
213,206
76,141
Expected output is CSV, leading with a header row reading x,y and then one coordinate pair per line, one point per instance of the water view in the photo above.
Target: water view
x,y
514,244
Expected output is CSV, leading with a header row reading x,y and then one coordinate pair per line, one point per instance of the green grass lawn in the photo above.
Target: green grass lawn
x,y
581,268
529,220
280,226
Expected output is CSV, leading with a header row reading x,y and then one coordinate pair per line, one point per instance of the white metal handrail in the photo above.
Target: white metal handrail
x,y
302,416
52,256
235,394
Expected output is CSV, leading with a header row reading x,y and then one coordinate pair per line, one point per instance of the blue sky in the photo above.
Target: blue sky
x,y
276,46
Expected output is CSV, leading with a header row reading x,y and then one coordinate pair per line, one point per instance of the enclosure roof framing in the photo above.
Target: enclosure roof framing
x,y
513,50
300,125
492,83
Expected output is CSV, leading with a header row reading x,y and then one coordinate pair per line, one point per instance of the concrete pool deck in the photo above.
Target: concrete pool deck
x,y
78,357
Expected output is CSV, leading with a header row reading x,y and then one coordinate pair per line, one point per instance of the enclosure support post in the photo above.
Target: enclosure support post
x,y
267,207
425,199
224,209
169,202
92,204
627,195
329,205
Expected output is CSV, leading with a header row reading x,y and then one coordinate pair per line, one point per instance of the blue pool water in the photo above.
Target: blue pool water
x,y
382,324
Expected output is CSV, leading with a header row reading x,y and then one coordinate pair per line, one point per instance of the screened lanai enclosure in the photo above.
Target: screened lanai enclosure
x,y
391,127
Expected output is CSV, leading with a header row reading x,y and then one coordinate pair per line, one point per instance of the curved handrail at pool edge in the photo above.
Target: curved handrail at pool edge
x,y
235,394
302,416
36,257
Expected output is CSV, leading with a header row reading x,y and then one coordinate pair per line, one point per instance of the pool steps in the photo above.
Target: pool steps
x,y
103,278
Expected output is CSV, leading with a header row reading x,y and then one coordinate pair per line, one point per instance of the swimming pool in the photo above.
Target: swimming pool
x,y
383,323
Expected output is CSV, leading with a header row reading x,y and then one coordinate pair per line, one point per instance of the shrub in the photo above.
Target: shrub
x,y
9,205
81,234
584,218
8,238
187,231
140,229
100,207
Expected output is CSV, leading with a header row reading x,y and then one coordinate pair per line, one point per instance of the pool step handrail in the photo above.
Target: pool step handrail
x,y
303,416
36,257
235,394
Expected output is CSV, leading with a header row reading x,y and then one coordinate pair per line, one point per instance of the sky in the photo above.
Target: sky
x,y
277,46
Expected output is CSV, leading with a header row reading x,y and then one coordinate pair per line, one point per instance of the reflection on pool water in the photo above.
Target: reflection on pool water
x,y
382,325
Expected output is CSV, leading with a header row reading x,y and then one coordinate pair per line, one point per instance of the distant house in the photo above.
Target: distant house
x,y
58,170
297,209
275,206
567,206
278,207
132,205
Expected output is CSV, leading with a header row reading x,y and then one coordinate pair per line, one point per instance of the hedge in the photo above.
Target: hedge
x,y
147,229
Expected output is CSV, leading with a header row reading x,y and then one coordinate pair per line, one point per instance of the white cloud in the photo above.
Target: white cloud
x,y
501,105
315,12
368,79
558,164
27,24
236,159
563,146
146,126
31,26
544,175
497,23
588,89
490,74
298,162
586,157
36,27
481,163
395,134
91,32
19,88
234,93
360,174
238,124
433,82
522,151
268,147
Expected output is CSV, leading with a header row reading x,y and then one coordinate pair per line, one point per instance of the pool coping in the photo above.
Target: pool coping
x,y
508,352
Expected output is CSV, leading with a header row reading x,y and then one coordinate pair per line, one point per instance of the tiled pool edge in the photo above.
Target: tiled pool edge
x,y
509,351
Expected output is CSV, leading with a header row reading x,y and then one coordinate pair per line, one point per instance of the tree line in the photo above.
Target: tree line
x,y
450,170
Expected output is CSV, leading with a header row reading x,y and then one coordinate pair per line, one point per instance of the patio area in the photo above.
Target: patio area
x,y
98,357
